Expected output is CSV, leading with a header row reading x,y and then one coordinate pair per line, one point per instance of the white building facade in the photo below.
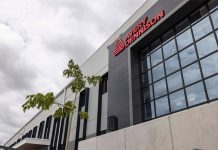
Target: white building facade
x,y
158,90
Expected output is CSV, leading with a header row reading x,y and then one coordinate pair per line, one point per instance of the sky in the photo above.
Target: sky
x,y
37,39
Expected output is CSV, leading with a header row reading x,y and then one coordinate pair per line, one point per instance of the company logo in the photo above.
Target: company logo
x,y
136,32
119,47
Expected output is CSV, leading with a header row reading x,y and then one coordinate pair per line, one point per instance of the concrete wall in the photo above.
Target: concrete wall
x,y
196,128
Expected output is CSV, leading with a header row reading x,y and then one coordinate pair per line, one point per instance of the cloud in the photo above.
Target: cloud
x,y
14,71
37,40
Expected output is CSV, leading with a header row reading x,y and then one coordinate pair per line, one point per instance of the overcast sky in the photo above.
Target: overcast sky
x,y
38,37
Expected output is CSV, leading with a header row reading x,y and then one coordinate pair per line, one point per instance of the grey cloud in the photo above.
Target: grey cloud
x,y
78,28
77,48
15,72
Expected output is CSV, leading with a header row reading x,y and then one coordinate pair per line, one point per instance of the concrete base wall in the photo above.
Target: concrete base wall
x,y
196,128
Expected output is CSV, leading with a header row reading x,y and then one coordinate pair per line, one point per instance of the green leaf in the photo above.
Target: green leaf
x,y
39,101
83,115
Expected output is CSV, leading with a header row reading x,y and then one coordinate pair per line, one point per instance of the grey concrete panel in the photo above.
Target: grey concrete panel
x,y
104,104
104,122
153,135
93,102
89,144
111,141
196,128
91,127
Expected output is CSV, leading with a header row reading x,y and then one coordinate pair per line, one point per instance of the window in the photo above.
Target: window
x,y
47,127
174,81
172,64
41,127
158,72
155,44
180,70
202,28
105,85
204,48
182,25
162,106
198,14
177,101
160,88
212,87
191,74
169,49
156,57
146,78
145,63
148,94
149,110
168,35
195,94
214,17
184,39
188,56
210,65
212,4
34,132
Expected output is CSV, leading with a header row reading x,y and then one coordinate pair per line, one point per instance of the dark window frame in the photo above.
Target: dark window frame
x,y
148,54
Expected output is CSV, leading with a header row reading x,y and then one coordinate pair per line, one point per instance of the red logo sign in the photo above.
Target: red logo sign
x,y
136,32
119,47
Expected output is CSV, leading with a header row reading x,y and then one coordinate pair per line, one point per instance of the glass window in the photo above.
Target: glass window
x,y
191,74
202,28
184,39
156,57
162,106
212,4
160,88
149,110
155,44
182,25
195,94
172,64
206,45
174,81
210,65
212,87
188,56
169,49
198,14
145,52
158,72
146,78
147,94
177,101
168,35
214,16
145,64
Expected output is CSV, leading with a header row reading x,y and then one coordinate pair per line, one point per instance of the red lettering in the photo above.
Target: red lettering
x,y
147,26
128,35
153,21
136,32
136,35
160,15
141,31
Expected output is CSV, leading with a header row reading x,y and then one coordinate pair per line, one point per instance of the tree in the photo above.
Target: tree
x,y
67,109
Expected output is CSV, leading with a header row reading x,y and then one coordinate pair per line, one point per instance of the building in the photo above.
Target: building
x,y
159,87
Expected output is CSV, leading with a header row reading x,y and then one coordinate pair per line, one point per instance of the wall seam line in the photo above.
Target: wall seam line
x,y
125,138
171,134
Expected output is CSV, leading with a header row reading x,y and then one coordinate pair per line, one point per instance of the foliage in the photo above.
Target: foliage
x,y
39,101
79,82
